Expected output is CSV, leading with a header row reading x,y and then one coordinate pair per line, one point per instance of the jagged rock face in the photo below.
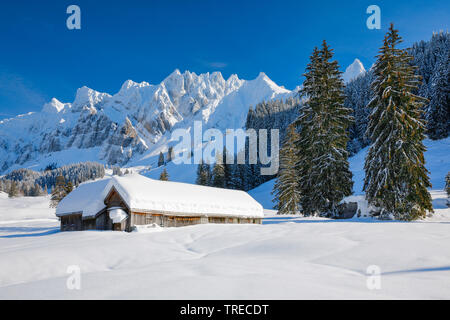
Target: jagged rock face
x,y
90,131
131,122
122,144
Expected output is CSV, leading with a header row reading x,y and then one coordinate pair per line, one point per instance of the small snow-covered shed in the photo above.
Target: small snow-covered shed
x,y
120,203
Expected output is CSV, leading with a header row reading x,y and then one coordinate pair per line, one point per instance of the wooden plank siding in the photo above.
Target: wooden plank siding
x,y
170,220
102,221
89,224
73,222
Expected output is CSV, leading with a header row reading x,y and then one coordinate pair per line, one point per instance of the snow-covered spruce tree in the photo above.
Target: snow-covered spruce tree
x,y
438,115
218,173
207,172
199,179
203,174
286,190
117,171
170,155
37,191
13,190
323,168
60,190
396,178
164,176
161,161
228,168
303,144
238,173
68,187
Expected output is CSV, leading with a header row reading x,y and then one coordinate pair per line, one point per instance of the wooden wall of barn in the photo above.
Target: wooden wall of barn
x,y
142,218
75,222
103,222
72,222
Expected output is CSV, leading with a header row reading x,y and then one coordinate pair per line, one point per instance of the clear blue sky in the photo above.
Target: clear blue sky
x,y
146,40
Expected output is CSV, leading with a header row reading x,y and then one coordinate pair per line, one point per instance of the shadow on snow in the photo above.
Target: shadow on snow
x,y
305,220
32,232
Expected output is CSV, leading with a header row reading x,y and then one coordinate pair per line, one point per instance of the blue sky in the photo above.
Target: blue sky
x,y
145,40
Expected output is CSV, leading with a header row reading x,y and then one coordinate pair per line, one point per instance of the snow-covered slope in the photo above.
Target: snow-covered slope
x,y
133,123
218,261
437,158
25,208
353,71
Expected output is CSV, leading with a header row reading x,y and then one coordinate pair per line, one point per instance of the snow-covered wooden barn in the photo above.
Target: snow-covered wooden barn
x,y
120,203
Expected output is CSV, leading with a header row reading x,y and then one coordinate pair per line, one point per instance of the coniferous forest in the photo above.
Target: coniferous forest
x,y
26,182
392,108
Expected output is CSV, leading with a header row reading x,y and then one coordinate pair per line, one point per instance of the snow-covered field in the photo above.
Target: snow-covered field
x,y
285,258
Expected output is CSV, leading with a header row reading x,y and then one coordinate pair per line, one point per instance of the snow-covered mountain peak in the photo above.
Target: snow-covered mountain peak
x,y
83,94
263,81
131,84
217,76
262,75
88,97
353,71
233,82
175,73
234,77
54,106
175,81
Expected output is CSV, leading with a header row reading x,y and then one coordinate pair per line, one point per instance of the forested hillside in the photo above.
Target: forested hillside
x,y
432,61
26,182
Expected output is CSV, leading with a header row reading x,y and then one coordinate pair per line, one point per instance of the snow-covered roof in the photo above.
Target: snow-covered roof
x,y
144,194
86,199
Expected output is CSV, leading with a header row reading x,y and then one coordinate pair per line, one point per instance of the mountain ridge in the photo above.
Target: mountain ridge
x,y
132,124
132,121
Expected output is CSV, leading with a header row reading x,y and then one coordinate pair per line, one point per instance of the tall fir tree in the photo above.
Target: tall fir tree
x,y
68,188
164,176
396,178
200,175
13,189
237,172
59,191
218,173
286,189
323,168
227,168
161,160
203,174
207,172
170,155
37,191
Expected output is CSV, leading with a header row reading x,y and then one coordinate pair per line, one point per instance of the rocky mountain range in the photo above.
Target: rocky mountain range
x,y
133,124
